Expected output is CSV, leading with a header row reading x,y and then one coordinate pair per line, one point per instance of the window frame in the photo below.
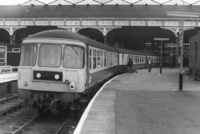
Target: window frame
x,y
22,53
48,44
63,58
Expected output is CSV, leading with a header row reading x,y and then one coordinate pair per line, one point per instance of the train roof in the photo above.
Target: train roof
x,y
64,34
129,51
135,52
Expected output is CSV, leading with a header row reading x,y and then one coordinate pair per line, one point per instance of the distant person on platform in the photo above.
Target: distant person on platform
x,y
150,65
130,65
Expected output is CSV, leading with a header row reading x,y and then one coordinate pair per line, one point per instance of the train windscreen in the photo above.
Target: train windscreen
x,y
29,55
50,55
73,57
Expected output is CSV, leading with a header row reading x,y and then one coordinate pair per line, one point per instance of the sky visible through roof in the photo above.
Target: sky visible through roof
x,y
97,2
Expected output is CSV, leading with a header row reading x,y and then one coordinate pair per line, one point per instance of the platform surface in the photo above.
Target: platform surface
x,y
144,103
6,77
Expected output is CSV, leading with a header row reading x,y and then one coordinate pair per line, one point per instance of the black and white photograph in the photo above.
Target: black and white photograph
x,y
99,66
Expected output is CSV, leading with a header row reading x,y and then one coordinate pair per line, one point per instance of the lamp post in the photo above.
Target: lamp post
x,y
182,15
161,39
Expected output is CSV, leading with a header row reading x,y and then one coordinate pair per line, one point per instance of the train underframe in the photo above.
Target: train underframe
x,y
57,101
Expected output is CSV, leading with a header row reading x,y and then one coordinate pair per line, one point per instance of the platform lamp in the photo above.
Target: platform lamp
x,y
182,15
161,39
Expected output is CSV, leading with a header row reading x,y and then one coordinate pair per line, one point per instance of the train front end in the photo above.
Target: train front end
x,y
52,72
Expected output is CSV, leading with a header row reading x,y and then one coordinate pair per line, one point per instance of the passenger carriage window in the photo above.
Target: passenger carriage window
x,y
111,59
136,59
3,53
104,59
107,57
139,59
94,59
29,55
73,57
142,59
98,58
115,59
90,58
113,56
49,55
101,58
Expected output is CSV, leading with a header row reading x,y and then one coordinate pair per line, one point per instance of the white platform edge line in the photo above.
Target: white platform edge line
x,y
9,80
85,114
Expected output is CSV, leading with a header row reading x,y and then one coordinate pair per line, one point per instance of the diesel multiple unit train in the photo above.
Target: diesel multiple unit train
x,y
60,69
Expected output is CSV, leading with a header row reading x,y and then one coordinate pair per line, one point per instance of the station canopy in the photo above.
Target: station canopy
x,y
99,2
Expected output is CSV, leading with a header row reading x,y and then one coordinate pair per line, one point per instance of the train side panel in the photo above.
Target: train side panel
x,y
102,64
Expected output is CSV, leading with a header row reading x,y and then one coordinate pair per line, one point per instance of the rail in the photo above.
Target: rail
x,y
25,125
9,106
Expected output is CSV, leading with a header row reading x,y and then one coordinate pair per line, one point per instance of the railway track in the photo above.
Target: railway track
x,y
15,118
47,125
43,125
19,121
10,104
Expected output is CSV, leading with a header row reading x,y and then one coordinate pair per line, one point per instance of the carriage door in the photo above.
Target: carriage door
x,y
3,55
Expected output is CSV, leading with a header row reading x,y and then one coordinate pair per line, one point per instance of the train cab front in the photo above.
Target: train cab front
x,y
51,72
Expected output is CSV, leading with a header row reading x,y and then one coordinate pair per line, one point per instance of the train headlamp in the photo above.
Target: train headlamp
x,y
38,75
57,76
72,86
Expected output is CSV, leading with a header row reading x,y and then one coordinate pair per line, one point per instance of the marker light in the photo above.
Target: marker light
x,y
72,86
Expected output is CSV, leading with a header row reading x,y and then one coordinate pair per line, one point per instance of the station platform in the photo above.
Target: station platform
x,y
6,77
144,103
